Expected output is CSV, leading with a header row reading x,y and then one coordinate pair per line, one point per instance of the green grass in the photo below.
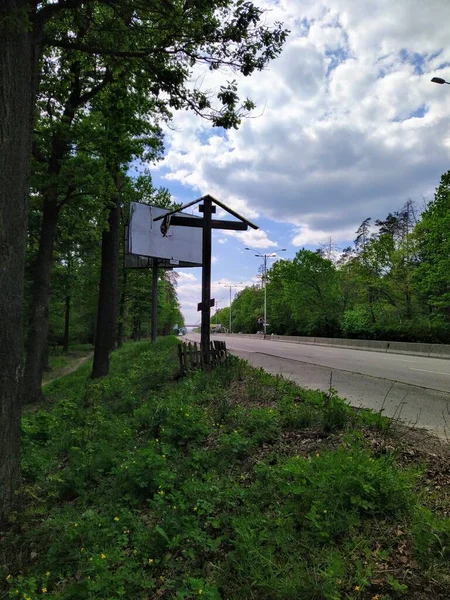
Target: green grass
x,y
61,364
225,485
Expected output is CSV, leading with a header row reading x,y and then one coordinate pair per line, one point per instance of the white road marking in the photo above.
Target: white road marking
x,y
426,371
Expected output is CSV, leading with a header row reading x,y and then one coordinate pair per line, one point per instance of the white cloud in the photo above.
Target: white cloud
x,y
183,276
304,236
257,238
350,124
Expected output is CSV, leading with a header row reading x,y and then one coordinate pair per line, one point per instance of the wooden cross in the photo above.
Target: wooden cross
x,y
208,224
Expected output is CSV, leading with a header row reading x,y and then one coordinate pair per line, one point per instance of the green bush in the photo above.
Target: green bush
x,y
336,414
234,446
329,495
294,415
142,472
263,424
431,537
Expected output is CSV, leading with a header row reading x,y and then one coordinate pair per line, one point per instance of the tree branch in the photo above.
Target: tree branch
x,y
96,89
98,50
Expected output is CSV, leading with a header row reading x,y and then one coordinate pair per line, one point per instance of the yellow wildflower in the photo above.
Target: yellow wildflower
x,y
75,524
318,455
356,588
44,590
150,561
48,572
116,519
195,508
376,597
103,556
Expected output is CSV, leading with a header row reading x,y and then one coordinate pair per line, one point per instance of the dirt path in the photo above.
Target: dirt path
x,y
70,368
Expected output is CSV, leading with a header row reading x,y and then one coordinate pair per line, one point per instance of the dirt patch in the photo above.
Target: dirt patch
x,y
74,363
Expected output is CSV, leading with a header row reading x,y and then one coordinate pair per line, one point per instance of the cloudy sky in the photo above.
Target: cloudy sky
x,y
348,126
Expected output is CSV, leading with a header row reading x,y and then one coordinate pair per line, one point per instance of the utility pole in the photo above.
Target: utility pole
x,y
154,299
265,257
230,286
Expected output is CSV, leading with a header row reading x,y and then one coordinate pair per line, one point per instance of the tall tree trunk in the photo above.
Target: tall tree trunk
x,y
107,297
66,325
37,339
46,359
18,75
123,297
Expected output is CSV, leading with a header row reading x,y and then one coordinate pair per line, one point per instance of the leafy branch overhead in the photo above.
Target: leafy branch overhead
x,y
165,41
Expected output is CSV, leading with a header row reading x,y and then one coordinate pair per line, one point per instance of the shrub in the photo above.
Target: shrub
x,y
294,415
263,424
234,446
336,413
142,472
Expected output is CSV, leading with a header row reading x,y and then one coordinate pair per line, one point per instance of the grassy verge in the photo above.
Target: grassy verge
x,y
226,485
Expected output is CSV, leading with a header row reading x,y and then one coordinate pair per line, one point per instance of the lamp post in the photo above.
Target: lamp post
x,y
227,285
265,256
440,80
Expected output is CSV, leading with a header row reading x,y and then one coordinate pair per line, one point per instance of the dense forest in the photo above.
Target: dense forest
x,y
86,90
392,283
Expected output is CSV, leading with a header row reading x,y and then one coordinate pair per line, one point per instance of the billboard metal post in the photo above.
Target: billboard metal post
x,y
154,299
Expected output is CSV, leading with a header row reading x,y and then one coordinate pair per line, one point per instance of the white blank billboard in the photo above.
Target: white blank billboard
x,y
182,244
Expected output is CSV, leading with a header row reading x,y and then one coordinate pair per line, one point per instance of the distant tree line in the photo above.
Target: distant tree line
x,y
392,283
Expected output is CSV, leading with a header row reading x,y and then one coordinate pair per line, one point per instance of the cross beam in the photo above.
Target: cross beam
x,y
215,223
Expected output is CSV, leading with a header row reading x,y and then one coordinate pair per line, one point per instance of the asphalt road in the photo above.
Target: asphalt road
x,y
412,388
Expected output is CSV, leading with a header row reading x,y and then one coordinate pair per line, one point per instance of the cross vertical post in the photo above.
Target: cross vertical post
x,y
207,209
230,310
265,296
154,299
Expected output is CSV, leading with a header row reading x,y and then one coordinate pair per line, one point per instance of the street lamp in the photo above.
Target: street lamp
x,y
227,285
265,257
440,80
